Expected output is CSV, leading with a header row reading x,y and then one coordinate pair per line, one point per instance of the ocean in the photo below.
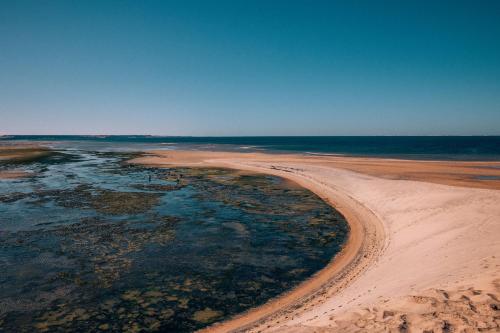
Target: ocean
x,y
411,147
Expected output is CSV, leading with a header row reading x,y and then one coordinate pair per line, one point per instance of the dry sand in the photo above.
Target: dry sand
x,y
423,254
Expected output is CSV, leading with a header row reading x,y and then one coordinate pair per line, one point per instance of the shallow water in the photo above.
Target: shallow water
x,y
89,243
487,177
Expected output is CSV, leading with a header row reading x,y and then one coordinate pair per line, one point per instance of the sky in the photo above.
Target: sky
x,y
224,68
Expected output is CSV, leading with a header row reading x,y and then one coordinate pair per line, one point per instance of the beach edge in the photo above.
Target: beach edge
x,y
364,245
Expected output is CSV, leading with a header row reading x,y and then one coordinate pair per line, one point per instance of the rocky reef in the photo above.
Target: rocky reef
x,y
93,244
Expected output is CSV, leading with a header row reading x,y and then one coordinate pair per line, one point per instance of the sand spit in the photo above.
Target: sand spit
x,y
21,152
15,154
13,174
422,255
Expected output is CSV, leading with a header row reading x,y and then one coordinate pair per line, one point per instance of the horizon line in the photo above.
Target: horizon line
x,y
254,136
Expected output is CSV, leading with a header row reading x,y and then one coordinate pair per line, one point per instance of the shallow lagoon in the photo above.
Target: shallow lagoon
x,y
89,243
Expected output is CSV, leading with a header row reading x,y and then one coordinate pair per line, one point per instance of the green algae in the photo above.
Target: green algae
x,y
159,187
87,197
121,203
207,315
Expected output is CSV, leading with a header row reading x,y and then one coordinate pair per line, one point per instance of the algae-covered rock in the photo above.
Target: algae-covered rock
x,y
206,315
121,203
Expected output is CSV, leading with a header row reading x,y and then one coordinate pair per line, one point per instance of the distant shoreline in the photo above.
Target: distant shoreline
x,y
406,147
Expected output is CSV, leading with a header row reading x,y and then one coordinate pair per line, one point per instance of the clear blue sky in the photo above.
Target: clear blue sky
x,y
250,67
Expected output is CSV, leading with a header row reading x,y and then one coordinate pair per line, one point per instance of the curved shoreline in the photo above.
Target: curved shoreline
x,y
364,245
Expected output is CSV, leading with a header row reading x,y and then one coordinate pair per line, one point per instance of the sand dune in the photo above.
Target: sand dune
x,y
423,255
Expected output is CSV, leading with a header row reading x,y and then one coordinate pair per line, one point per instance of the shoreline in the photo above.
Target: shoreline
x,y
311,305
365,242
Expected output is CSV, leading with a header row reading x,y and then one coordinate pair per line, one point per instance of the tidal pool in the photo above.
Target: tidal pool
x,y
89,243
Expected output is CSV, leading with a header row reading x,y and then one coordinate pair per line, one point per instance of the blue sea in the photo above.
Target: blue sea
x,y
412,147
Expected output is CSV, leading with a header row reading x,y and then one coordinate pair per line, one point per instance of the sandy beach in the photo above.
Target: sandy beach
x,y
422,255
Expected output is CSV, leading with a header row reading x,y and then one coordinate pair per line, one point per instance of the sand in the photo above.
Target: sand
x,y
13,174
18,153
423,254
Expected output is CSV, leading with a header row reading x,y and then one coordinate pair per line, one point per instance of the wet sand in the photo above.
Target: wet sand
x,y
18,153
13,174
21,152
422,253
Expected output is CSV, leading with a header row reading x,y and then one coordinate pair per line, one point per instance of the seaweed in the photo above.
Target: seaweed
x,y
177,253
122,203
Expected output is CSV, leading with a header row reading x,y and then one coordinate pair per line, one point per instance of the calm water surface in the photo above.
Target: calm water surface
x,y
412,147
89,243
